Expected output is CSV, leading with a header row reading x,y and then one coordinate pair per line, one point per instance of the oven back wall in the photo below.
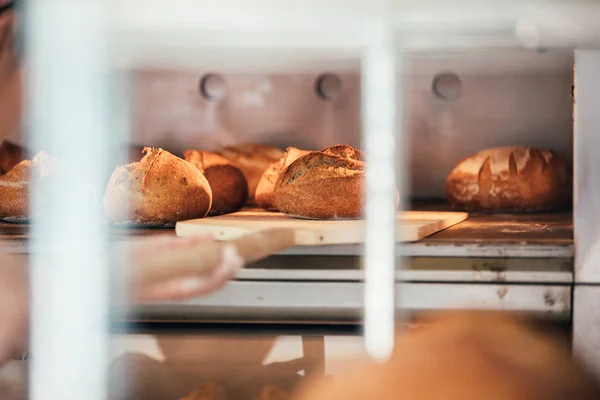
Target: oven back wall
x,y
500,98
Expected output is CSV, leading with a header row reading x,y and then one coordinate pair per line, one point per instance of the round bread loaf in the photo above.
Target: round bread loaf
x,y
253,160
510,179
161,189
264,196
227,182
322,184
16,184
467,356
10,156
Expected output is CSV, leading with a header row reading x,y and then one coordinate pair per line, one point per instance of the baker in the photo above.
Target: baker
x,y
14,290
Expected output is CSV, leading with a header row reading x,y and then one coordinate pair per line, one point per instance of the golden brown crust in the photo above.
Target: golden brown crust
x,y
16,183
160,189
14,191
322,185
227,182
469,356
10,156
510,179
253,160
264,196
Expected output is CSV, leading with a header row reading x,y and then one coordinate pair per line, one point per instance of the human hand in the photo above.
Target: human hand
x,y
141,250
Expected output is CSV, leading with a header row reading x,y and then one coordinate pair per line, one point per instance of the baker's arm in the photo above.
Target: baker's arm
x,y
14,287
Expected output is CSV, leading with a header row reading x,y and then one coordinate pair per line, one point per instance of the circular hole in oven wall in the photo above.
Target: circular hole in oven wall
x,y
212,87
447,86
328,87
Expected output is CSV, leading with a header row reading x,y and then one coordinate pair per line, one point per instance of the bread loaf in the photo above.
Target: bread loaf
x,y
18,181
10,156
161,189
472,356
253,160
322,184
510,179
265,197
227,182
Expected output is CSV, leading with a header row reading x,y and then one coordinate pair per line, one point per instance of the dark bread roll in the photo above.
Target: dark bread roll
x,y
466,356
510,179
160,189
253,160
10,155
323,184
227,182
264,196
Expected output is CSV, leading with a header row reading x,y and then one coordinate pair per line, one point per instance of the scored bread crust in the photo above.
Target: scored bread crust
x,y
264,196
227,182
10,155
253,160
324,184
159,189
510,179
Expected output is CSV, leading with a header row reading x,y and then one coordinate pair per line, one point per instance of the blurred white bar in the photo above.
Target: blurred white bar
x,y
379,91
68,100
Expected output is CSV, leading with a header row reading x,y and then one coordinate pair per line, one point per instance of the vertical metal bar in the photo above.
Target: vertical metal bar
x,y
586,219
379,136
68,98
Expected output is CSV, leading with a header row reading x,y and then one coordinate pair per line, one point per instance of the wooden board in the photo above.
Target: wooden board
x,y
411,226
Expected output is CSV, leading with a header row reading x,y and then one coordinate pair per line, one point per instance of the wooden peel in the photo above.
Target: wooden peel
x,y
259,234
205,256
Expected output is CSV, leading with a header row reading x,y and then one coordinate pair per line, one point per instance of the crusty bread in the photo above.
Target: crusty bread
x,y
466,356
227,182
510,179
264,196
253,160
322,184
160,189
17,182
10,156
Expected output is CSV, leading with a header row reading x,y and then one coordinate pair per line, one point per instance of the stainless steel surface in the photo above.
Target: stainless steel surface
x,y
421,276
343,301
507,98
587,166
586,320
